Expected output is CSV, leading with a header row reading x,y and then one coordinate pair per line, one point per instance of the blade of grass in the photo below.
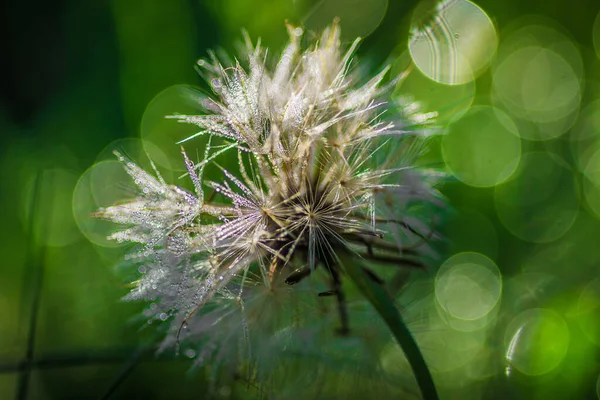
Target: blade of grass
x,y
384,305
126,370
32,284
114,355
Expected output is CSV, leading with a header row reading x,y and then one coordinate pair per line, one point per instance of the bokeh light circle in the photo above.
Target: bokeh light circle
x,y
550,86
481,149
358,18
158,131
453,42
537,84
102,185
448,101
444,348
467,325
540,202
537,78
588,311
437,342
141,152
536,341
468,286
537,31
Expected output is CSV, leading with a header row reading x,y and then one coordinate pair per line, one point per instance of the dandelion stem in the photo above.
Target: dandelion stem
x,y
384,305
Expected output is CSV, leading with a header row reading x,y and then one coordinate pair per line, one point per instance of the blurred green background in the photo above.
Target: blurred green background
x,y
513,311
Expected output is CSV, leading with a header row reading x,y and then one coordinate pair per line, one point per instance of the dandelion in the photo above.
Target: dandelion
x,y
325,177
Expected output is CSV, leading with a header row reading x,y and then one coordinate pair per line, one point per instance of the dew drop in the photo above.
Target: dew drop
x,y
190,353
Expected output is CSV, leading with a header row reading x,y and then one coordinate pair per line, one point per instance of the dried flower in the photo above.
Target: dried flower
x,y
320,172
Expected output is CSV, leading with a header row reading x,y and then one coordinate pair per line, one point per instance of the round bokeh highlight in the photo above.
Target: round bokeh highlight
x,y
358,18
537,341
482,149
468,286
452,42
538,78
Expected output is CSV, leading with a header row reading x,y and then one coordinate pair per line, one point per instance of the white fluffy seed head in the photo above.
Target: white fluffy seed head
x,y
325,164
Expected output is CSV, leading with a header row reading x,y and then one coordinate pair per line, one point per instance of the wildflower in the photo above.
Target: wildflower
x,y
321,174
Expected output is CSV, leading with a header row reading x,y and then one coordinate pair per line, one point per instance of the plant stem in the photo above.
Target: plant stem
x,y
384,305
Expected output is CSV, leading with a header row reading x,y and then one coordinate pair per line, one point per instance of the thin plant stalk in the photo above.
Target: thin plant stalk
x,y
384,304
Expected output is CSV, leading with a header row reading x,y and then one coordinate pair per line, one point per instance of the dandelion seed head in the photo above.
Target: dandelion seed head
x,y
325,164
